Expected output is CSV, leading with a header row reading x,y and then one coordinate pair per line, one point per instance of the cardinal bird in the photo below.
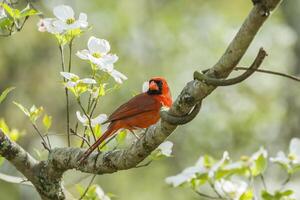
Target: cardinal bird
x,y
141,111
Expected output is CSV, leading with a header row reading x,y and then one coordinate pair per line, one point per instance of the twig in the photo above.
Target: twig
x,y
83,138
295,78
88,117
88,187
61,49
206,195
262,178
40,134
286,181
225,82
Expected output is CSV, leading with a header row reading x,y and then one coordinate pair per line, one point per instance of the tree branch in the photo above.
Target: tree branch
x,y
17,156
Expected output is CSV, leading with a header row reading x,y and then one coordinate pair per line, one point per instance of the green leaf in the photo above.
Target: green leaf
x,y
26,12
121,136
22,108
14,135
97,130
35,113
5,93
14,13
279,195
47,121
248,195
4,127
259,166
5,23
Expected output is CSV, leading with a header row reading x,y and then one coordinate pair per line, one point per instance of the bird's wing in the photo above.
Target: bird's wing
x,y
137,105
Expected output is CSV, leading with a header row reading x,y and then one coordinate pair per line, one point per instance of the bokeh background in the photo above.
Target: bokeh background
x,y
169,38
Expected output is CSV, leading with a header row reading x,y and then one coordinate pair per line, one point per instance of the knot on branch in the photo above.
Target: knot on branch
x,y
232,81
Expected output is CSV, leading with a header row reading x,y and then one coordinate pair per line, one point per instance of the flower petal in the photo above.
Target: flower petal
x,y
69,75
295,147
83,54
96,45
63,12
88,81
83,20
2,12
118,76
83,119
166,148
99,119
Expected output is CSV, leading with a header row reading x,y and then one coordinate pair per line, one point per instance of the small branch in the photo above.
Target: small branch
x,y
286,181
17,156
262,178
44,143
226,82
295,78
88,117
88,187
206,195
61,49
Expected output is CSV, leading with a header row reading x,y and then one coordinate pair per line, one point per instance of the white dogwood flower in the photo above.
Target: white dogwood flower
x,y
97,120
64,21
166,148
233,190
292,160
98,54
188,173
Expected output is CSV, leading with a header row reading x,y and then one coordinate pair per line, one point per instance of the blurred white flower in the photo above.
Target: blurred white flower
x,y
187,174
100,193
64,21
292,160
74,80
166,148
216,166
145,87
233,190
294,154
118,76
46,25
97,120
2,13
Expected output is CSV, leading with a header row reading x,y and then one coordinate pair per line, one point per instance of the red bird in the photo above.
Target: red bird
x,y
141,111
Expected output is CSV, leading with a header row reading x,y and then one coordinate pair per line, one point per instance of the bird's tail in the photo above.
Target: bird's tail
x,y
110,131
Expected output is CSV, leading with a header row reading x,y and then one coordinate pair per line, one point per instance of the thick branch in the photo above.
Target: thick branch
x,y
17,156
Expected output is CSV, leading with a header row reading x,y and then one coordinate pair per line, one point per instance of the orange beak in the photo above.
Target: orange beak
x,y
153,86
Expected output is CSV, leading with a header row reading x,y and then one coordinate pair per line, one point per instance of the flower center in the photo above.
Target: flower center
x,y
96,55
70,21
292,157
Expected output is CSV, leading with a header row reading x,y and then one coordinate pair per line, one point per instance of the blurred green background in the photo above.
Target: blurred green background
x,y
169,38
